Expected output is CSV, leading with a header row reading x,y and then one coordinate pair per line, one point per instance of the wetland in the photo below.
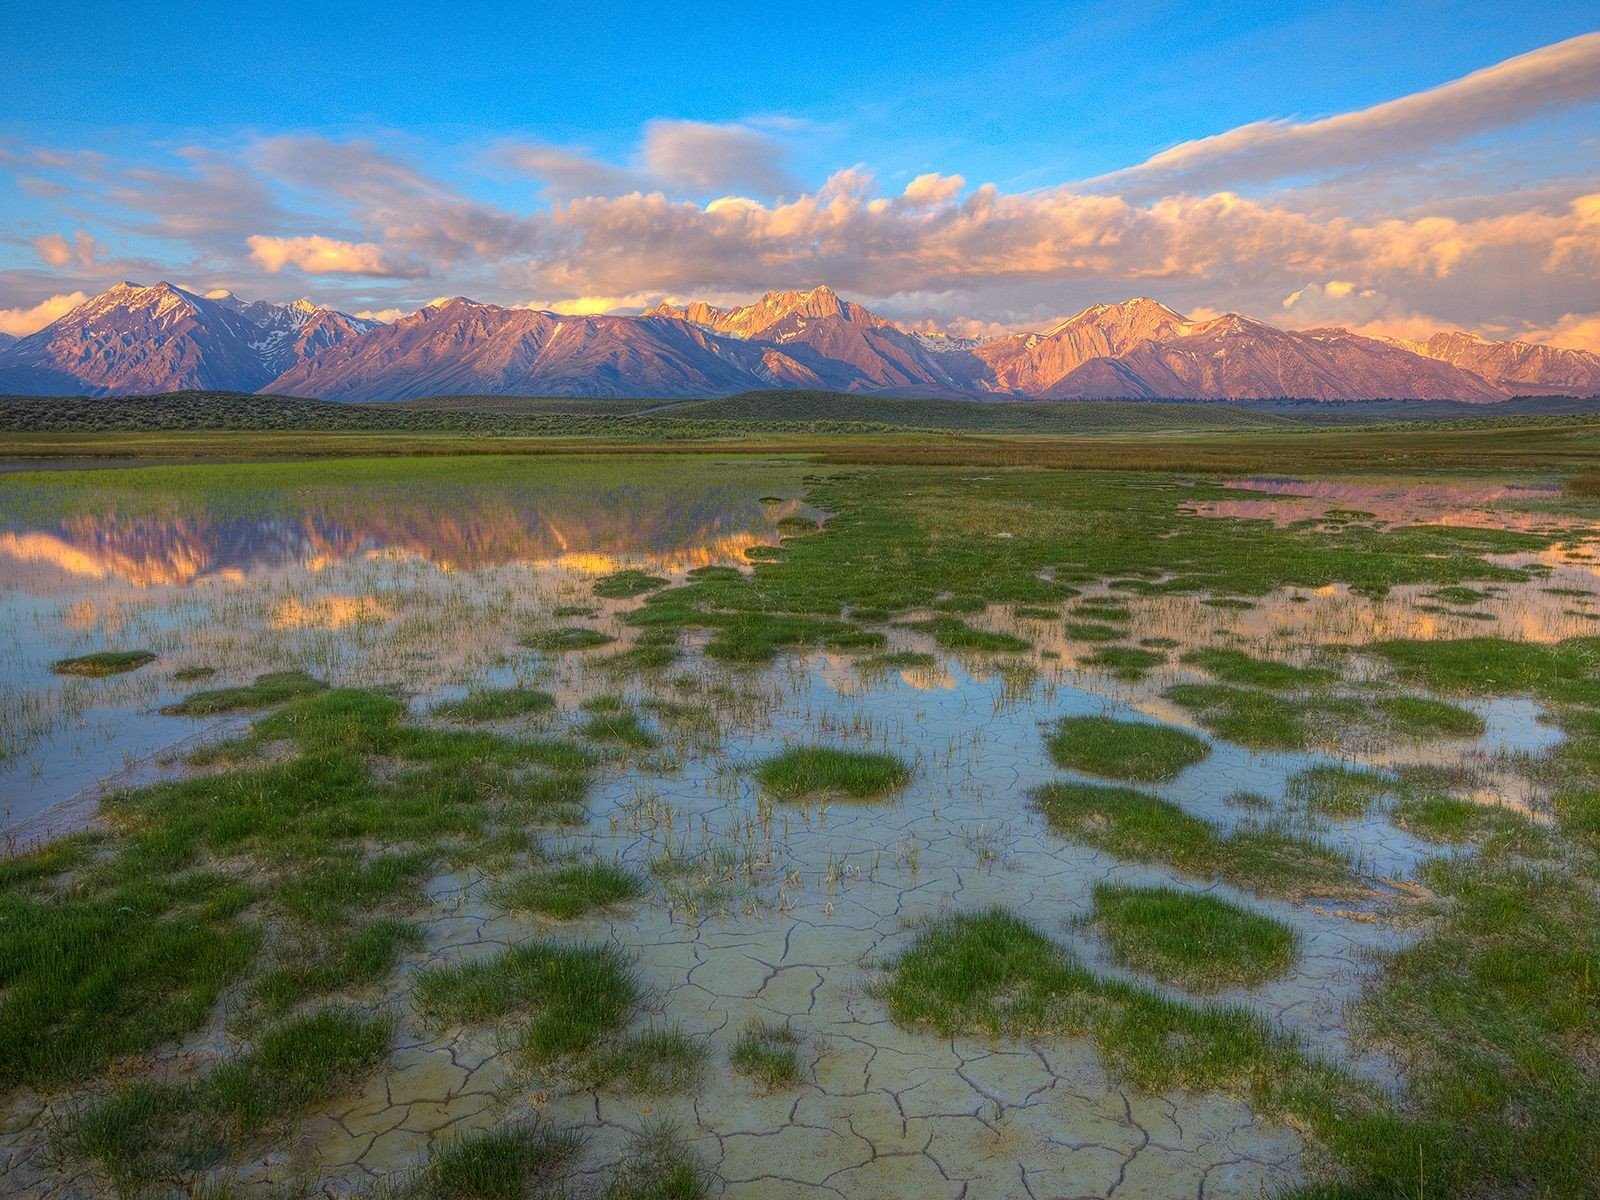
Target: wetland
x,y
766,825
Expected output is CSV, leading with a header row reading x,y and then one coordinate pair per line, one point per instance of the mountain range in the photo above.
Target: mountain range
x,y
135,339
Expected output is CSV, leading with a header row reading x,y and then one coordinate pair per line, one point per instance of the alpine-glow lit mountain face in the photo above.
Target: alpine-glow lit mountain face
x,y
140,340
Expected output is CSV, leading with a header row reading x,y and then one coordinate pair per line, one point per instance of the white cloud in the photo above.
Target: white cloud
x,y
1507,93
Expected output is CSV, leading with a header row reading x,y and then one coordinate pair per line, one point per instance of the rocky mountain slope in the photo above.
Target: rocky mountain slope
x,y
161,338
133,340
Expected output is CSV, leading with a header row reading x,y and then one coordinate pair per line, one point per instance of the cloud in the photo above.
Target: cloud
x,y
19,322
317,255
1563,74
1578,331
568,173
55,250
695,155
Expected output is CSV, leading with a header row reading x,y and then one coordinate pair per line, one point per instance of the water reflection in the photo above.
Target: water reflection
x,y
1483,504
671,524
418,579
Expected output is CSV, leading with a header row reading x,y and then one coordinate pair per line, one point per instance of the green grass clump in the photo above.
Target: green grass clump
x,y
1140,751
653,650
1195,941
569,891
1141,827
1457,595
653,1063
573,996
508,1162
611,720
952,633
805,770
146,1131
113,964
1340,791
1424,717
1033,612
624,585
1092,631
566,637
792,526
658,1166
756,637
351,959
1126,662
496,704
275,687
103,662
899,660
193,674
1237,667
1567,671
769,1053
1115,614
1252,717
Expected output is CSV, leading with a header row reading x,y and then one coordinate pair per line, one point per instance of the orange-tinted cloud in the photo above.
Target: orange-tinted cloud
x,y
318,255
19,322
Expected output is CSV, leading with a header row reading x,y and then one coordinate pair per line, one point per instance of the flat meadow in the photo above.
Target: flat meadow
x,y
934,816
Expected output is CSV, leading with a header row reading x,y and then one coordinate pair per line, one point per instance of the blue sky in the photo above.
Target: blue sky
x,y
377,157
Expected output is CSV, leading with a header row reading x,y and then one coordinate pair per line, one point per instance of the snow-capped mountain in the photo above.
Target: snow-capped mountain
x,y
161,338
1517,367
462,347
135,339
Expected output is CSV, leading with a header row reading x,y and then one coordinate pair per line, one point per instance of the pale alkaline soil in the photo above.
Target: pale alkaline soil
x,y
775,910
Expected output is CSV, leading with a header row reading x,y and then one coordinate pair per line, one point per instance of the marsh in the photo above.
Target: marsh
x,y
868,829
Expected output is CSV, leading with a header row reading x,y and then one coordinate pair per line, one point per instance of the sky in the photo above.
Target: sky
x,y
1396,168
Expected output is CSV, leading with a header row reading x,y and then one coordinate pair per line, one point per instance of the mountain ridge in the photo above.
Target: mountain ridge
x,y
134,339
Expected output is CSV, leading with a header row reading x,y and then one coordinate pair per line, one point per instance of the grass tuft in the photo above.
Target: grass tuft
x,y
1195,941
572,890
804,770
103,662
769,1053
1137,751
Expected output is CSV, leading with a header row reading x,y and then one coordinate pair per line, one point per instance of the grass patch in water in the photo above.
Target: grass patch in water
x,y
624,585
1138,751
1567,671
898,660
1335,790
1092,631
1199,942
103,662
567,891
612,720
952,633
1142,827
565,638
573,996
1425,717
496,704
809,770
275,687
769,1053
1125,662
1237,667
1261,719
